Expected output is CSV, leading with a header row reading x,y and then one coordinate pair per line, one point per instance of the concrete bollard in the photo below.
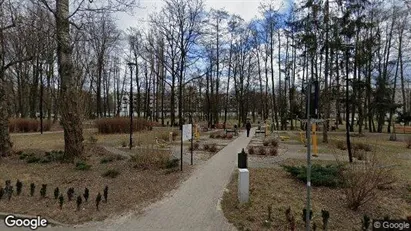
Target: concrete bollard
x,y
243,185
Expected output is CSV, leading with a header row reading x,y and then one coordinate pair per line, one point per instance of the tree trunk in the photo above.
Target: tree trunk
x,y
70,108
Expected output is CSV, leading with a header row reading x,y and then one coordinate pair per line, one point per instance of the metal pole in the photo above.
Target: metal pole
x,y
307,214
192,128
131,105
181,147
41,99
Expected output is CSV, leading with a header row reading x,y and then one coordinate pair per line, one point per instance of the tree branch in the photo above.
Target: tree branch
x,y
17,62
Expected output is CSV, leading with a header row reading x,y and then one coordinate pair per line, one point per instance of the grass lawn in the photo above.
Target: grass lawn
x,y
276,187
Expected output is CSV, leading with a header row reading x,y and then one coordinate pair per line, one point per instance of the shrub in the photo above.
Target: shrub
x,y
98,199
106,160
212,135
213,148
173,163
92,139
86,194
19,186
78,202
362,146
362,181
329,175
408,143
206,147
262,151
28,125
196,146
53,156
273,151
218,136
360,154
251,150
32,159
124,144
229,136
274,142
105,193
341,145
32,188
223,136
70,193
111,173
56,193
122,125
43,190
1,193
82,166
266,142
150,158
61,200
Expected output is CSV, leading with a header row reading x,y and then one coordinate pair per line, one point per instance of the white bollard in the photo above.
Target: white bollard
x,y
243,185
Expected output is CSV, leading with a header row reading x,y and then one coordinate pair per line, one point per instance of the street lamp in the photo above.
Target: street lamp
x,y
41,97
130,64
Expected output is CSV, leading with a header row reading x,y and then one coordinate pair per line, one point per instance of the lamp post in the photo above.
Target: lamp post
x,y
41,98
130,64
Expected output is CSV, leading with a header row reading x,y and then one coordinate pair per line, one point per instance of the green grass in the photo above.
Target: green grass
x,y
328,175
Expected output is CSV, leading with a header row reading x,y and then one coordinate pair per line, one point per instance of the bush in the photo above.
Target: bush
x,y
266,142
55,155
212,135
408,143
196,146
262,151
32,159
329,175
82,166
92,139
106,160
223,136
362,181
111,173
341,145
360,154
122,125
273,151
251,150
229,136
206,147
173,163
274,142
362,146
28,125
213,148
151,158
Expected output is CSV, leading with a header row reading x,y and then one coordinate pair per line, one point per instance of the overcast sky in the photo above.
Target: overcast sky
x,y
247,9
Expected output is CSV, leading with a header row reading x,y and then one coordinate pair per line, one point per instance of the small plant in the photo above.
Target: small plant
x,y
112,173
213,148
1,193
326,216
229,136
266,142
82,166
32,159
78,202
70,193
19,186
212,136
43,190
32,189
9,191
251,150
408,143
92,139
341,145
262,151
365,222
106,160
196,146
173,163
105,194
61,201
98,200
56,193
206,147
223,136
273,151
290,218
86,194
124,144
274,142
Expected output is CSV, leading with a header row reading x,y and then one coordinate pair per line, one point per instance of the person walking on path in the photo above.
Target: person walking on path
x,y
248,127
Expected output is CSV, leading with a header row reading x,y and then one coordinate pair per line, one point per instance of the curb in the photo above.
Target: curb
x,y
51,222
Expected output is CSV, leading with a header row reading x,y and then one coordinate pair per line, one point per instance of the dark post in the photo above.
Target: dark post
x,y
130,64
181,146
191,122
308,208
41,98
242,159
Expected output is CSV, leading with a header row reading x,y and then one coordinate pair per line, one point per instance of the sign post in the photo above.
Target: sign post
x,y
186,134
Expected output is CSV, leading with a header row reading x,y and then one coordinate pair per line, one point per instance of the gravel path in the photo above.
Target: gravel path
x,y
195,205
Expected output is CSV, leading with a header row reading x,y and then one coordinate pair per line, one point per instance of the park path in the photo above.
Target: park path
x,y
195,205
